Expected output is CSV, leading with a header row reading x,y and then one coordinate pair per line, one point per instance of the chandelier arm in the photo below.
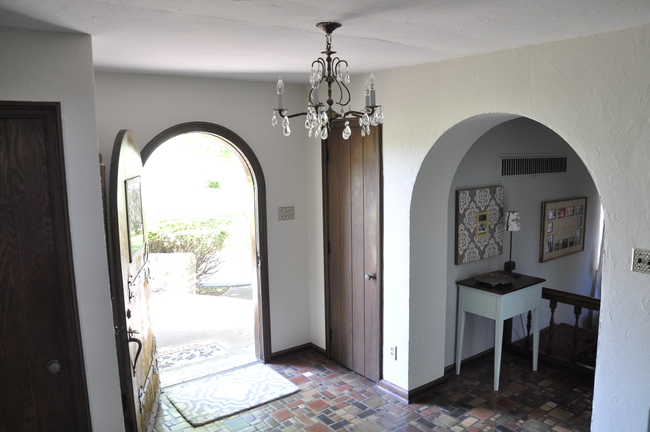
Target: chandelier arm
x,y
296,115
355,113
283,113
343,93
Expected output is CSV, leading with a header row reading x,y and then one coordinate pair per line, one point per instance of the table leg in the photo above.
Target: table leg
x,y
460,329
498,346
535,337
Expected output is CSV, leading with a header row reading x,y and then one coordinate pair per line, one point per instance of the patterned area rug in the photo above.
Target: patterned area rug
x,y
178,355
209,399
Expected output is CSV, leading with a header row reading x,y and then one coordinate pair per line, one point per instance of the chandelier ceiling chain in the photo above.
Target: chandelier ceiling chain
x,y
335,74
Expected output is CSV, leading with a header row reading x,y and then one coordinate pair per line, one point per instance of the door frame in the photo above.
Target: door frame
x,y
247,156
337,127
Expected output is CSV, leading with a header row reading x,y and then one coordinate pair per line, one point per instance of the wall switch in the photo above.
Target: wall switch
x,y
393,352
285,213
641,260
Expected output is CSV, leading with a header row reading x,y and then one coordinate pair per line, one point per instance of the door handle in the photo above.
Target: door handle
x,y
371,276
137,341
53,366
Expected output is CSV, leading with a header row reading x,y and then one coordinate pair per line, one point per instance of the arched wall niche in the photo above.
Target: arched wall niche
x,y
432,271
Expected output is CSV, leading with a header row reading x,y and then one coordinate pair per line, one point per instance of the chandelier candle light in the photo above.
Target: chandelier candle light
x,y
512,224
334,72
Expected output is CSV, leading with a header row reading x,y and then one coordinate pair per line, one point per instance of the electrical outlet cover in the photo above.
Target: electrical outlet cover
x,y
641,260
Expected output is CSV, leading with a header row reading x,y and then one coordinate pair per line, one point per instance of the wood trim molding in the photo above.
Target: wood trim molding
x,y
394,390
411,396
300,349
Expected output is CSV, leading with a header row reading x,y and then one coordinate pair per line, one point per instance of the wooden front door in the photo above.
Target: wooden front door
x,y
42,377
136,346
353,214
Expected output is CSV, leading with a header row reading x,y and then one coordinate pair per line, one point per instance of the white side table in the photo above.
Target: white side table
x,y
499,303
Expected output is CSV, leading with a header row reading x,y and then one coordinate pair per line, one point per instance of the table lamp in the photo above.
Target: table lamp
x,y
512,224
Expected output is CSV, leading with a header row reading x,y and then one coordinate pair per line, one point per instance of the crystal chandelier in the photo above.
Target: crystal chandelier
x,y
333,72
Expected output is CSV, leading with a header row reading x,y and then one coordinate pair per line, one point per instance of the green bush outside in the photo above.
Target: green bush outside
x,y
205,238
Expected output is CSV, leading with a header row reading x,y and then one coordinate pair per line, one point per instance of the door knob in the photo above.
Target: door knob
x,y
371,276
53,367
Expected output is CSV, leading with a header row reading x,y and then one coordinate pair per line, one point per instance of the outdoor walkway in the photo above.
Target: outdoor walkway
x,y
198,335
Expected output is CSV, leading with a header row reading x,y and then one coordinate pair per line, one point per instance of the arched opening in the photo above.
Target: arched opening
x,y
213,301
465,157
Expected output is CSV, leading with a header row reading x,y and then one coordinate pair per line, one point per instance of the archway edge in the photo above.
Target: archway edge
x,y
263,311
432,187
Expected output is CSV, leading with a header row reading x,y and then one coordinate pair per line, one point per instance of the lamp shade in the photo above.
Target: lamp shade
x,y
512,221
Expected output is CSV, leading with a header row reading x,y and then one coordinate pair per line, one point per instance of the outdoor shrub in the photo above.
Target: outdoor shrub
x,y
204,238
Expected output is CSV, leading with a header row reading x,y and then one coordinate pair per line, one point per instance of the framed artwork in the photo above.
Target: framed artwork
x,y
479,224
563,227
134,219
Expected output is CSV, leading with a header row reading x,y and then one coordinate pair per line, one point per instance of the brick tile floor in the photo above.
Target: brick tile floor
x,y
332,398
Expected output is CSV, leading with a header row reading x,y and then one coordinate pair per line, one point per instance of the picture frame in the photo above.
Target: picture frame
x,y
479,224
562,228
134,217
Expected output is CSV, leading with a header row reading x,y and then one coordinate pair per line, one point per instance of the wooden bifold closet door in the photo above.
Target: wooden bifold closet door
x,y
353,215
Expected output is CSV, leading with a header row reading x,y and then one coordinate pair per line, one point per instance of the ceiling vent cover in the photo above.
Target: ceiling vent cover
x,y
509,166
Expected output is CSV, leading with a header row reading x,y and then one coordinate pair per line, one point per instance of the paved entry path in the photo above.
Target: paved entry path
x,y
197,335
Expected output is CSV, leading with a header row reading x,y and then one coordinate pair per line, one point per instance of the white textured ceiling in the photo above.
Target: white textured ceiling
x,y
261,39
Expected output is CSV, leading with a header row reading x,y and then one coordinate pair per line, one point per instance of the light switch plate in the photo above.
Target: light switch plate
x,y
641,260
285,213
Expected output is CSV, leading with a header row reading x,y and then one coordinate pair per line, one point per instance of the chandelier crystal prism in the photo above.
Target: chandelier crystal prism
x,y
334,73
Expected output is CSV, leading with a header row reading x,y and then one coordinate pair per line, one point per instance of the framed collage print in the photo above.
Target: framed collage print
x,y
479,224
563,228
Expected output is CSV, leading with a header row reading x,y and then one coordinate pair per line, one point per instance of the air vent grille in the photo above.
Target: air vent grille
x,y
531,165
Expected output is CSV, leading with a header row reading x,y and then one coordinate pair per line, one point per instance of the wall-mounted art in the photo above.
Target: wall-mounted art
x,y
563,228
479,224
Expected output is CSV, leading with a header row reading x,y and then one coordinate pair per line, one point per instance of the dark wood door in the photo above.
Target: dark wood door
x,y
136,346
353,214
42,381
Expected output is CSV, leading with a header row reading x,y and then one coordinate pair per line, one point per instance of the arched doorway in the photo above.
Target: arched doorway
x,y
239,239
432,300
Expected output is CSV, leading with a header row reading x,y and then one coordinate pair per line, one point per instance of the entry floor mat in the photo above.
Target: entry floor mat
x,y
217,396
172,356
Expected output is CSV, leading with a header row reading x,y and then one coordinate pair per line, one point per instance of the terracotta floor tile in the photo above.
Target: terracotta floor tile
x,y
482,413
318,405
282,415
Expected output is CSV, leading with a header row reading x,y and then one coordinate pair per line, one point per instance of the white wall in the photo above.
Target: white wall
x,y
149,104
593,91
57,67
573,273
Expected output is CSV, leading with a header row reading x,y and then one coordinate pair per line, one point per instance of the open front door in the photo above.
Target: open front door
x,y
136,347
